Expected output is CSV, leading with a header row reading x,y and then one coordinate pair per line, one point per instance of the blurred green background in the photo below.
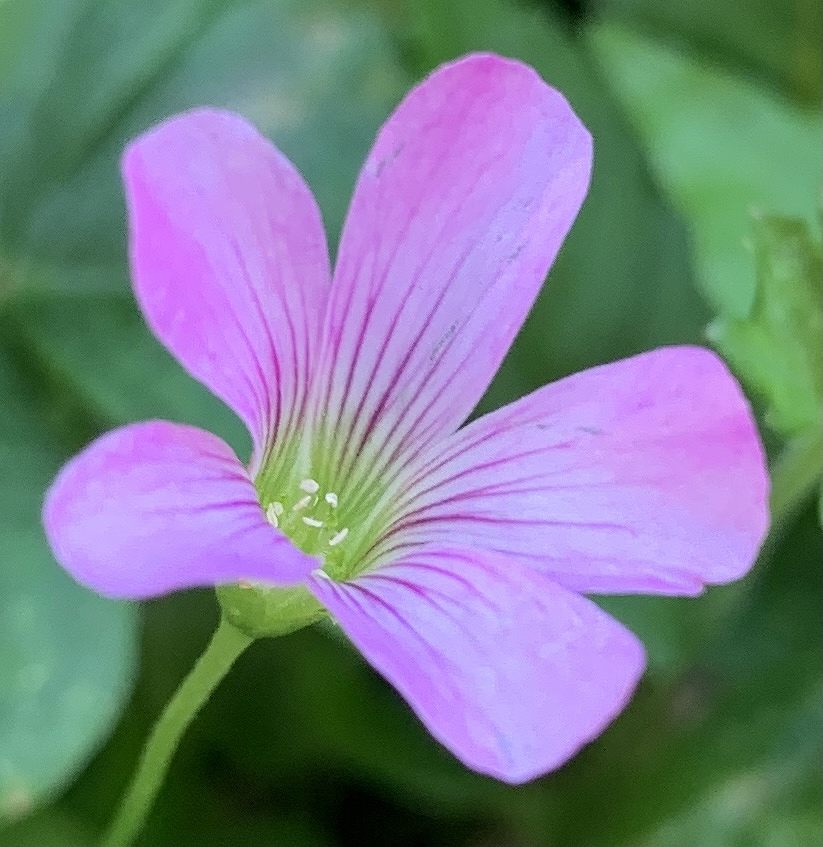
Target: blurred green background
x,y
702,225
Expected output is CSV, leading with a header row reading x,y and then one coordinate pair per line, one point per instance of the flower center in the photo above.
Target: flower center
x,y
309,516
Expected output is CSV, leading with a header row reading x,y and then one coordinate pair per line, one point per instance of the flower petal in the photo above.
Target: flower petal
x,y
508,670
153,507
458,213
229,261
646,475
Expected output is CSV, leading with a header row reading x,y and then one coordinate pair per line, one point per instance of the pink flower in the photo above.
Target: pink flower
x,y
454,558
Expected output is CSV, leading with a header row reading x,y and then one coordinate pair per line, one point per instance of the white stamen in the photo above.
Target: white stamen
x,y
338,537
331,499
277,508
319,572
310,486
312,522
301,503
271,516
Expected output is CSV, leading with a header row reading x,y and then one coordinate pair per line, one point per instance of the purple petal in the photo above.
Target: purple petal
x,y
229,262
646,475
153,507
458,213
508,670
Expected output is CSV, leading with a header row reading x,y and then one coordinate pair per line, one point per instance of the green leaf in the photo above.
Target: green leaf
x,y
316,77
66,656
779,42
69,337
46,827
777,347
720,146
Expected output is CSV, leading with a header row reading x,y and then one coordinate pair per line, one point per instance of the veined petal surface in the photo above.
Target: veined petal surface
x,y
154,507
229,262
508,670
459,211
645,475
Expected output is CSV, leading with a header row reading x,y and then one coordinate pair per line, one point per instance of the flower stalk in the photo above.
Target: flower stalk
x,y
226,645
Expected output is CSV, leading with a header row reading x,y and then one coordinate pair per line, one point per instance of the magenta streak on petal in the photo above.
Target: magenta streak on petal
x,y
394,322
414,432
508,670
473,517
391,470
361,336
485,466
401,368
428,267
392,463
440,600
229,263
509,486
155,507
423,564
659,486
401,235
274,418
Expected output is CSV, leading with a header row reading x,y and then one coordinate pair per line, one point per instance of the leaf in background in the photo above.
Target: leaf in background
x,y
720,146
70,338
317,77
66,656
47,827
288,66
777,348
779,42
730,755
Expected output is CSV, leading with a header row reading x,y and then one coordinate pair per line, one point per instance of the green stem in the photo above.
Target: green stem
x,y
226,645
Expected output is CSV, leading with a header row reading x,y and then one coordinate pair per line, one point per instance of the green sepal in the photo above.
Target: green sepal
x,y
261,611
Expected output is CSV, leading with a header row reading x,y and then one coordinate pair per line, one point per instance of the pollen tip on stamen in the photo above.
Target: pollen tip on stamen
x,y
301,503
271,516
338,537
277,508
310,486
312,522
331,499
